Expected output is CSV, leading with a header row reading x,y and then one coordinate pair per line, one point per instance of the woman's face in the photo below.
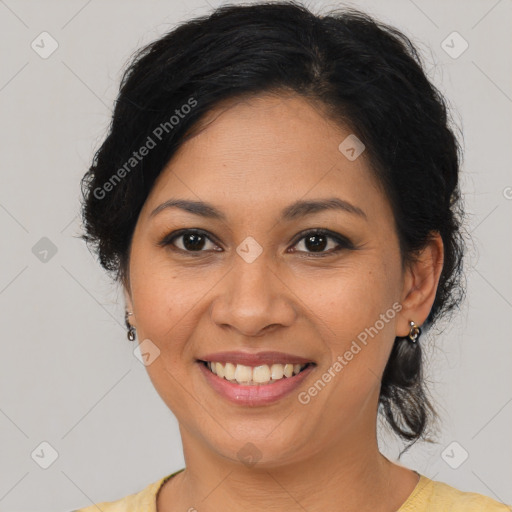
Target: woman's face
x,y
255,281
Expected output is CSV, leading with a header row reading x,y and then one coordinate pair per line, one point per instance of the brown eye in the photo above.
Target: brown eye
x,y
315,243
193,241
188,241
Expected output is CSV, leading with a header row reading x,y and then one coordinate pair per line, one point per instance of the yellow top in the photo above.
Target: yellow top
x,y
427,496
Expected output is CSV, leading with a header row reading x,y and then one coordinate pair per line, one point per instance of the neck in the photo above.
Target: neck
x,y
347,475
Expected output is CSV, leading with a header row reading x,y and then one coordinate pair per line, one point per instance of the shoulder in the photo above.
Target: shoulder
x,y
466,501
431,495
142,500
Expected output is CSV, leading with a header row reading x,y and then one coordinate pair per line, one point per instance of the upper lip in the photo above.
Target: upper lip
x,y
254,359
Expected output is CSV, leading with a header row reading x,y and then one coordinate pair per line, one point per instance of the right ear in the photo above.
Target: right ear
x,y
128,304
127,299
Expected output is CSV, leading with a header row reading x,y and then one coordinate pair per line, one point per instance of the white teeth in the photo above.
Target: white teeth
x,y
219,370
229,370
261,374
248,375
277,371
243,373
288,370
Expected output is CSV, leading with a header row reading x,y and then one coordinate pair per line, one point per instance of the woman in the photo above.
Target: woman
x,y
278,197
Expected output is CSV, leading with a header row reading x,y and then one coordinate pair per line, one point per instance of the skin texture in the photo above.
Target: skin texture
x,y
251,159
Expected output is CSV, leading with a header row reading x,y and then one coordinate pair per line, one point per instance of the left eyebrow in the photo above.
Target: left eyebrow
x,y
302,208
294,211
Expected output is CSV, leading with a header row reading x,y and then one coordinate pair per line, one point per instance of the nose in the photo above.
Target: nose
x,y
253,299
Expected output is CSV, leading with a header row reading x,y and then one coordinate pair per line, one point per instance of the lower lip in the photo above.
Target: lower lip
x,y
261,394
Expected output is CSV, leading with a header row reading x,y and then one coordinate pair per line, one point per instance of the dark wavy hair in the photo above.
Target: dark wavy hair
x,y
362,73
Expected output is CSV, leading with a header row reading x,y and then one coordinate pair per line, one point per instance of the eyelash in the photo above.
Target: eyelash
x,y
343,243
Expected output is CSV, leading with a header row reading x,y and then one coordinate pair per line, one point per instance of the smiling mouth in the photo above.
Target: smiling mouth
x,y
257,375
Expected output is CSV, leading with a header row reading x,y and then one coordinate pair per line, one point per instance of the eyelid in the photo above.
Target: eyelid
x,y
321,231
169,238
342,241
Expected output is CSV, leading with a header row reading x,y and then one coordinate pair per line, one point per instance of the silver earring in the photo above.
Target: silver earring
x,y
414,333
131,330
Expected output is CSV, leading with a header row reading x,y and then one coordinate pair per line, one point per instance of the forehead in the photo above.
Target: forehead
x,y
266,150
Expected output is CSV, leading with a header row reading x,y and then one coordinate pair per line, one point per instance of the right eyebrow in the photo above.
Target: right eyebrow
x,y
195,207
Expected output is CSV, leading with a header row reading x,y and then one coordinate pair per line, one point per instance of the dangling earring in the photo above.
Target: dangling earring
x,y
131,330
415,332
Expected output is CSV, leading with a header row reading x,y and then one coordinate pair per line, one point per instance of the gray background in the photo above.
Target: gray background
x,y
68,375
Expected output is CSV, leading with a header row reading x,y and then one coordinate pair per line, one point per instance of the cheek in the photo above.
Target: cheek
x,y
352,297
355,314
165,315
154,303
162,295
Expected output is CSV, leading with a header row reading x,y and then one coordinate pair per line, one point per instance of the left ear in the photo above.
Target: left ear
x,y
420,285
